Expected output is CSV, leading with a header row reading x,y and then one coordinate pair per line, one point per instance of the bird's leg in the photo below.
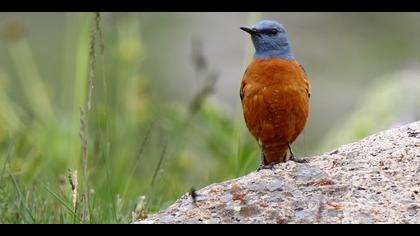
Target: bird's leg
x,y
262,165
293,157
261,155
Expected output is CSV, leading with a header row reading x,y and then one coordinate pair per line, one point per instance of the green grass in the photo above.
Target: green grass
x,y
134,153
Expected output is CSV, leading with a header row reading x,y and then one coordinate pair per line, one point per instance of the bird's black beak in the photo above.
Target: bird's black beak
x,y
249,30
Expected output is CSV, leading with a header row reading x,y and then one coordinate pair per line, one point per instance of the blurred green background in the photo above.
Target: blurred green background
x,y
105,118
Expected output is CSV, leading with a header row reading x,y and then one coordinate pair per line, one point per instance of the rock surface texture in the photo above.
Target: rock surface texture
x,y
374,180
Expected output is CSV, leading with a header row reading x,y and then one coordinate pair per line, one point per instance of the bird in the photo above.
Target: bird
x,y
274,92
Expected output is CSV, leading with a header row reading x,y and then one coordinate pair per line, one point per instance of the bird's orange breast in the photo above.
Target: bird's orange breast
x,y
275,100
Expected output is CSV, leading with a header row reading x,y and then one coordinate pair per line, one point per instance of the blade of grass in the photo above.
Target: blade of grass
x,y
111,194
84,157
91,102
85,115
92,61
6,161
64,204
162,156
79,78
152,183
138,158
18,190
102,129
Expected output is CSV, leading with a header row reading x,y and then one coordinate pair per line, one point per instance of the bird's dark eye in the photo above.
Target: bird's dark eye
x,y
271,31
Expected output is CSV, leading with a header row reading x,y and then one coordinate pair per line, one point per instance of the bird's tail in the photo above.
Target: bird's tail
x,y
275,153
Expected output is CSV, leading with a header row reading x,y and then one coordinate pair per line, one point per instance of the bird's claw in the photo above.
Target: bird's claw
x,y
300,160
265,167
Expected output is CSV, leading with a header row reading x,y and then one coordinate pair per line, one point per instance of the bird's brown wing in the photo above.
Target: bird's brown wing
x,y
242,91
307,84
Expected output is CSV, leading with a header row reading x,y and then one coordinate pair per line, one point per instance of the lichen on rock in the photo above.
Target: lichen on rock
x,y
374,180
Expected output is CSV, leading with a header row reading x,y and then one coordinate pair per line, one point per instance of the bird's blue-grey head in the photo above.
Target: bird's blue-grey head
x,y
270,40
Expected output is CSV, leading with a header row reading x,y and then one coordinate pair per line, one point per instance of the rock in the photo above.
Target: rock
x,y
374,180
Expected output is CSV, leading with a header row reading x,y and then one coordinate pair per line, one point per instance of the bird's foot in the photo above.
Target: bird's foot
x,y
266,167
300,160
293,157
